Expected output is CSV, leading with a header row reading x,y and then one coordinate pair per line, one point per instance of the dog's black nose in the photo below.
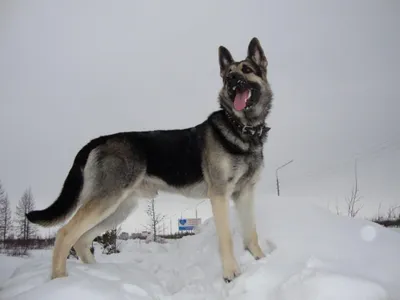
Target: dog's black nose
x,y
234,76
235,79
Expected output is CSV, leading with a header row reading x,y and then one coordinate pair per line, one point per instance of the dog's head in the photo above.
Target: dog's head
x,y
246,92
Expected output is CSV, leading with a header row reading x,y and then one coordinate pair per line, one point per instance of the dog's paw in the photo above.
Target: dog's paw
x,y
228,277
255,251
56,275
230,271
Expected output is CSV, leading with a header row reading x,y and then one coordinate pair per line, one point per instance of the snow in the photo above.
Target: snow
x,y
8,265
311,254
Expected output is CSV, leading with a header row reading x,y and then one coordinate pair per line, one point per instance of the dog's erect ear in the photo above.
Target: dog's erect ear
x,y
225,59
256,53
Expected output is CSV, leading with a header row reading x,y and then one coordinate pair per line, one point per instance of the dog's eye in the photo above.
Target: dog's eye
x,y
246,70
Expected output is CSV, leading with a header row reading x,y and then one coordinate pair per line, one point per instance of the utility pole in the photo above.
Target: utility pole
x,y
277,178
198,205
277,185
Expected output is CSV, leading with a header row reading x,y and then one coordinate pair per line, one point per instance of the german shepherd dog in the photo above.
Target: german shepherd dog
x,y
218,159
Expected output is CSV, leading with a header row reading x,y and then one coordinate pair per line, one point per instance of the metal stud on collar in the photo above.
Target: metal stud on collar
x,y
251,130
246,129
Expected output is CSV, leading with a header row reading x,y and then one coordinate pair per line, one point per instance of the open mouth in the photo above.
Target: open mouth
x,y
241,94
240,102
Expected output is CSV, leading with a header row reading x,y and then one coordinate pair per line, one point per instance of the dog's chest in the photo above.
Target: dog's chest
x,y
246,169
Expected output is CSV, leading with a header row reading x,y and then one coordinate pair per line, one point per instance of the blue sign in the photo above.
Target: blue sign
x,y
183,225
185,228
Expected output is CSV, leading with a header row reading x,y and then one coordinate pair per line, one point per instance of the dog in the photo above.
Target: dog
x,y
219,159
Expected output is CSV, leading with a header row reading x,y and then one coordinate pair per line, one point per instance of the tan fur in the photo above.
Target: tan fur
x,y
244,203
82,246
91,213
220,207
217,174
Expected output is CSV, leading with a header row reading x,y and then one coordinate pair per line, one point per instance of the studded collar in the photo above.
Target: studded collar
x,y
247,129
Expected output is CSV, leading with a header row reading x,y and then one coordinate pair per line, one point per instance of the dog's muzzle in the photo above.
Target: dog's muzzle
x,y
239,90
236,82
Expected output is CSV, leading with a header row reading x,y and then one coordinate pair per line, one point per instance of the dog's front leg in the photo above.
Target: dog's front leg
x,y
244,203
220,206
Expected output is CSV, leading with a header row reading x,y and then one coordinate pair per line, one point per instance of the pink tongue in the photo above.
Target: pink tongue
x,y
240,100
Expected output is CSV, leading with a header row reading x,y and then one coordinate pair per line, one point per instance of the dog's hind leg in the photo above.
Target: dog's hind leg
x,y
111,175
88,215
82,246
244,203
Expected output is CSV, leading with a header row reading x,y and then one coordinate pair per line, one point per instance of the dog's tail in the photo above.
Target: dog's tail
x,y
68,199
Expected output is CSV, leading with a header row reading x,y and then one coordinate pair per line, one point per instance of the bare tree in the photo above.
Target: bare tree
x,y
353,207
5,215
392,212
392,218
24,229
155,219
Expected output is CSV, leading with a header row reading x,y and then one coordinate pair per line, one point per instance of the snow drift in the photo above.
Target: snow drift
x,y
311,254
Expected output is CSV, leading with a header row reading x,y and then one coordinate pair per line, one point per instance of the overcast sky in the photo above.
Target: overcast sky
x,y
73,70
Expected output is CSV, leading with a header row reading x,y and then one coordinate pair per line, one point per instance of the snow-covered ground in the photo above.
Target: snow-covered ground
x,y
312,255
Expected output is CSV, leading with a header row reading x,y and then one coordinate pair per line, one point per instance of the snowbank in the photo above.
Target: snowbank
x,y
312,254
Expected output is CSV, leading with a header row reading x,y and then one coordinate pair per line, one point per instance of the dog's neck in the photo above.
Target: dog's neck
x,y
245,129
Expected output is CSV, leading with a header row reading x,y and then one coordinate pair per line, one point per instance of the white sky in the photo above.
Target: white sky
x,y
73,70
